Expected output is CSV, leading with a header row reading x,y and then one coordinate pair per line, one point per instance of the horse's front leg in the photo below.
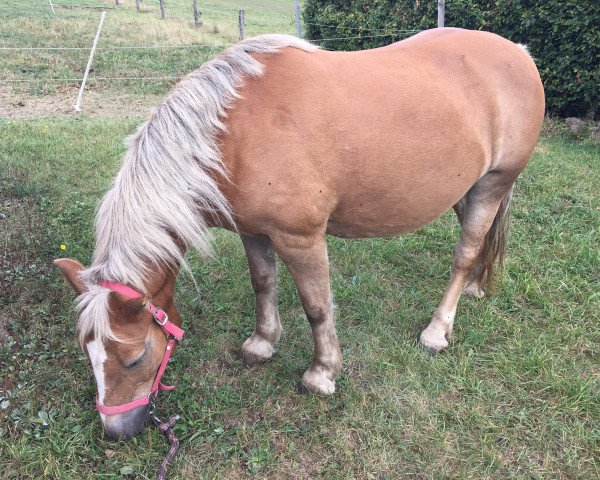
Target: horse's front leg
x,y
259,347
307,262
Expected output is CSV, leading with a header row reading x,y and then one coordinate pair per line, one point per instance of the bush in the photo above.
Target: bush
x,y
562,35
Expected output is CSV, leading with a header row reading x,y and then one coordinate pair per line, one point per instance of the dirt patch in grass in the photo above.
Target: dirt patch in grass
x,y
4,328
18,105
20,237
296,459
15,235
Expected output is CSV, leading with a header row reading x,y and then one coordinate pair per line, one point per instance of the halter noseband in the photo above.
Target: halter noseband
x,y
174,335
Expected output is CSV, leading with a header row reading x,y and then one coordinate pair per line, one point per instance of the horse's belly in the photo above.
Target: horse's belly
x,y
389,202
366,230
360,225
383,219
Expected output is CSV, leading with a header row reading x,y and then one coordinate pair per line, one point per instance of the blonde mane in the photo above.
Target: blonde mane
x,y
165,185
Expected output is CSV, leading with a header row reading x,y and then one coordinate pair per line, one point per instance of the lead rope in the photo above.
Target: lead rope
x,y
166,428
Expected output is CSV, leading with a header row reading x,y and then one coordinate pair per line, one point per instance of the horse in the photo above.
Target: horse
x,y
285,143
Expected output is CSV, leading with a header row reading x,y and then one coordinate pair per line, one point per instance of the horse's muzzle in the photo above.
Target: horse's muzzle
x,y
128,424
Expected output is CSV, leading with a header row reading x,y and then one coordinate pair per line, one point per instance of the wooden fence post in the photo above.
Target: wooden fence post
x,y
242,24
441,12
117,2
197,14
298,31
163,11
138,5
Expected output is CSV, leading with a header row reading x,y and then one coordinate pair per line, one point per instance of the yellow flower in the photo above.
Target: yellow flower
x,y
45,129
63,246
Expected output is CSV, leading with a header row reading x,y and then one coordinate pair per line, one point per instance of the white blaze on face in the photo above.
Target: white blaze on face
x,y
97,355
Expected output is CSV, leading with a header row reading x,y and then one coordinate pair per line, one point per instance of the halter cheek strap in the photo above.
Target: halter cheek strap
x,y
174,335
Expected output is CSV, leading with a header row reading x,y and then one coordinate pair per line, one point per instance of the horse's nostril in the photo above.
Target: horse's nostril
x,y
126,425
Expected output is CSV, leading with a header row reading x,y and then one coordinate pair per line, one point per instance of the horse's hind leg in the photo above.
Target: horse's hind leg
x,y
259,347
306,260
483,218
472,287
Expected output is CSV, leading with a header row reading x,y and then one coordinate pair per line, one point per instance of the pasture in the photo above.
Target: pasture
x,y
516,395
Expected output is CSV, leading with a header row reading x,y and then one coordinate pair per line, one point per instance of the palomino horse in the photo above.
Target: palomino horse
x,y
285,143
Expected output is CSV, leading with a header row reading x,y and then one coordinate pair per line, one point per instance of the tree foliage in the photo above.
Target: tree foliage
x,y
563,35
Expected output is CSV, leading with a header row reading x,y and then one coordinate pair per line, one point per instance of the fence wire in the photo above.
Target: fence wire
x,y
68,80
116,47
193,45
362,29
207,48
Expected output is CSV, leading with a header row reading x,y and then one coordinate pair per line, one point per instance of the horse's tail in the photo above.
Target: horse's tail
x,y
494,244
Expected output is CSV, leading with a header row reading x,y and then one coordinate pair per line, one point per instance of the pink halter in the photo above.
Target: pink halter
x,y
174,335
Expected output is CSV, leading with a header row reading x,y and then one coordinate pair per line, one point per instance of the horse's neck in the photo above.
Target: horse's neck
x,y
162,279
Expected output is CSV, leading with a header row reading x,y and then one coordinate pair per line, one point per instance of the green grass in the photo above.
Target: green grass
x,y
47,81
516,395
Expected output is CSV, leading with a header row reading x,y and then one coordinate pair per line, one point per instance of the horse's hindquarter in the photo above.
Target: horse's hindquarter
x,y
372,143
409,148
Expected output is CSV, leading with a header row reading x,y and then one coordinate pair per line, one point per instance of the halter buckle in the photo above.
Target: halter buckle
x,y
156,313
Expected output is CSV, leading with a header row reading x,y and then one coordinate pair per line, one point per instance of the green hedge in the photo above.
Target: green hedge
x,y
562,35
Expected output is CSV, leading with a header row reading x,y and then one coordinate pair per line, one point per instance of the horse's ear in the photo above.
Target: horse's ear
x,y
70,270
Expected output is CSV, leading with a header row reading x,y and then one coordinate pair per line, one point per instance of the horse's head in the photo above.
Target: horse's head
x,y
124,344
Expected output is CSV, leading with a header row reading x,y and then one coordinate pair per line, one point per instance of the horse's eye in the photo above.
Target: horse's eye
x,y
136,362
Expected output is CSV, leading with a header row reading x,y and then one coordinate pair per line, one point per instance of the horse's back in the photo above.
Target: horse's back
x,y
379,142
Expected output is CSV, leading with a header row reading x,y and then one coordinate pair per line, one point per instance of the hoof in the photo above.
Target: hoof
x,y
432,351
317,382
256,351
302,390
432,341
473,290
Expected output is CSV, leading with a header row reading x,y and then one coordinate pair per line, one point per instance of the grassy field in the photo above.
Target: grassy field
x,y
516,395
46,82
